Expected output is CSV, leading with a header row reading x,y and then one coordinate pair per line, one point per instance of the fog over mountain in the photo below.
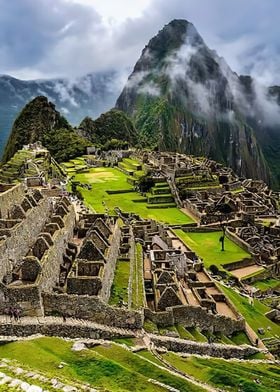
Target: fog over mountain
x,y
184,97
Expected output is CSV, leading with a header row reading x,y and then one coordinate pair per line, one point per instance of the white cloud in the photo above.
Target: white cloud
x,y
74,37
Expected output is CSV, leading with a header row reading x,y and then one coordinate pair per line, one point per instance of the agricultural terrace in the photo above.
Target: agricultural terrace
x,y
109,367
208,247
121,194
228,375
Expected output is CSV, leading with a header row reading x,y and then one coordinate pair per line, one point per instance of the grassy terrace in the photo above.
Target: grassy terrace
x,y
254,314
108,368
208,247
105,179
119,289
229,375
137,279
266,284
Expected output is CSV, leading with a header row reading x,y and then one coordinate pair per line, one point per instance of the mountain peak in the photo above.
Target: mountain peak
x,y
183,97
172,37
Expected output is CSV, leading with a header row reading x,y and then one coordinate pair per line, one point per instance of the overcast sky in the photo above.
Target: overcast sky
x,y
53,38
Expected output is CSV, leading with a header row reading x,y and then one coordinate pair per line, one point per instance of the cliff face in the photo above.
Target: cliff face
x,y
183,97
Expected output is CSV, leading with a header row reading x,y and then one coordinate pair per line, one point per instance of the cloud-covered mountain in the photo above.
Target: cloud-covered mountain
x,y
184,97
90,95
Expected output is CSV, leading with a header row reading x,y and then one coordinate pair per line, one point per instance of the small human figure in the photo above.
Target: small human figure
x,y
16,314
11,312
64,318
222,241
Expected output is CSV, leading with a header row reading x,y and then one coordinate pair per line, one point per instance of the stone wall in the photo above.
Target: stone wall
x,y
53,257
13,195
27,298
239,264
91,308
195,348
67,330
109,268
22,236
195,316
238,241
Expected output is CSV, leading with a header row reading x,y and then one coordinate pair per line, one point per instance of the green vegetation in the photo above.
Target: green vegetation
x,y
208,247
113,124
150,327
266,284
240,338
148,355
109,367
130,342
137,287
190,333
254,314
119,289
229,375
103,179
39,121
64,144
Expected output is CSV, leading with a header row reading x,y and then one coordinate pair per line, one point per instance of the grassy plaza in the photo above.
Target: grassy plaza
x,y
208,247
105,179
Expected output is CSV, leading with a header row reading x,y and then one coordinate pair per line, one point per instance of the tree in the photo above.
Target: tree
x,y
214,269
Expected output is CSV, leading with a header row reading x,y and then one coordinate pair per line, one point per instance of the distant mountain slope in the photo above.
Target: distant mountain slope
x,y
183,97
113,124
90,95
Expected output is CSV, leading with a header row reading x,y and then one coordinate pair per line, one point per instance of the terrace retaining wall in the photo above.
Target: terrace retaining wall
x,y
195,316
91,308
195,348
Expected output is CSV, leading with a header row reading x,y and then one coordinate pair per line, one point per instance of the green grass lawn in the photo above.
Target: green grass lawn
x,y
103,179
229,375
266,284
208,247
119,289
254,314
111,368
